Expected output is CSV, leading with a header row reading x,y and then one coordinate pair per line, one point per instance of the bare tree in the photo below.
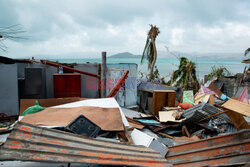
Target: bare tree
x,y
14,33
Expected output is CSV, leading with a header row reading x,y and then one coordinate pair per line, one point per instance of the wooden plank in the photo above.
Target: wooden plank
x,y
185,131
237,106
26,103
135,124
166,135
211,99
238,120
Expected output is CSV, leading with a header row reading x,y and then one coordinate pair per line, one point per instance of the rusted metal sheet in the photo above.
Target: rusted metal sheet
x,y
68,68
229,149
30,143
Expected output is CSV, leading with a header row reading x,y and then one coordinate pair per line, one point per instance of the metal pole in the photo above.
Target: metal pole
x,y
103,76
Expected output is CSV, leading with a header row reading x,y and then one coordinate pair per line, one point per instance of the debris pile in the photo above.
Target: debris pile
x,y
205,128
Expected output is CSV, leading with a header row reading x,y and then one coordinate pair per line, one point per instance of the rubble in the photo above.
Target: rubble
x,y
168,126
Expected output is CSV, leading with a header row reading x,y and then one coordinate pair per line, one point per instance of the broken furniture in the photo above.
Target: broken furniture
x,y
67,85
155,100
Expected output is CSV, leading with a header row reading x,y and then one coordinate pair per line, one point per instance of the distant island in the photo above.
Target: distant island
x,y
125,55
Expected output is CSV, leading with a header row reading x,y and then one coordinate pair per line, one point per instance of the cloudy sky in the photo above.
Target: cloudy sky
x,y
88,27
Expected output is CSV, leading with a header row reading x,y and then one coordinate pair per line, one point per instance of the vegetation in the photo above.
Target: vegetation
x,y
185,75
247,51
218,72
150,52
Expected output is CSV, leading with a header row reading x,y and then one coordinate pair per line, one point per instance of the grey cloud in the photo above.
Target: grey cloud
x,y
49,21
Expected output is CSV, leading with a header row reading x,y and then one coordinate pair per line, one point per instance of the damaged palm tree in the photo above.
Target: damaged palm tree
x,y
149,51
247,51
185,75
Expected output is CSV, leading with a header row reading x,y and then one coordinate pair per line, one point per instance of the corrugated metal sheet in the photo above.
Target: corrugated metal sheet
x,y
31,143
232,149
201,111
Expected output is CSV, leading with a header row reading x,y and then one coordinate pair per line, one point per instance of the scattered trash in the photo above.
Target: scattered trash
x,y
33,109
188,97
172,116
141,138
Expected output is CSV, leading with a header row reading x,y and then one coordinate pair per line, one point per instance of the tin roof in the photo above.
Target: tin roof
x,y
30,143
231,149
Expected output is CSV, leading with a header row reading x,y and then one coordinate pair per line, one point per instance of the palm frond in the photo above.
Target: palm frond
x,y
145,50
247,51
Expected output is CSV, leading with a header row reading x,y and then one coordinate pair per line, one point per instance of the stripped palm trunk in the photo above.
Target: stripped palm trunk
x,y
154,60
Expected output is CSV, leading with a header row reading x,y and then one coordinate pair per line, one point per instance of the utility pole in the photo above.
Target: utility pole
x,y
103,75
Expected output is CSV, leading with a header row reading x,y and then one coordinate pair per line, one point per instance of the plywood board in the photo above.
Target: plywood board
x,y
108,119
135,124
215,89
212,99
238,120
237,106
26,103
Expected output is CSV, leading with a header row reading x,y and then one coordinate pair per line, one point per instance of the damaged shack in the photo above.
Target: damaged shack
x,y
103,115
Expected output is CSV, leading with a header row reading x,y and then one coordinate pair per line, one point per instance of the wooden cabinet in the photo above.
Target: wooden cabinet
x,y
67,85
153,101
162,98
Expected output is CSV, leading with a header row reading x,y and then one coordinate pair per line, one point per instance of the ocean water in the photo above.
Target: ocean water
x,y
167,66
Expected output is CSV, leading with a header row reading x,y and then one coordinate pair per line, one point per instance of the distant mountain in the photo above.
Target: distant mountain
x,y
125,55
160,54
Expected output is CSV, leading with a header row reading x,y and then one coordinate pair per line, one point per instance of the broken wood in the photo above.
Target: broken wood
x,y
237,106
166,135
238,120
185,131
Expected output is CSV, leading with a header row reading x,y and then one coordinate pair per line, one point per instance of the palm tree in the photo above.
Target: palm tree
x,y
247,51
149,51
185,75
